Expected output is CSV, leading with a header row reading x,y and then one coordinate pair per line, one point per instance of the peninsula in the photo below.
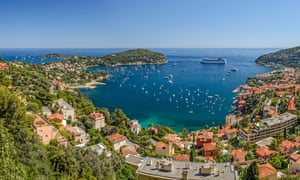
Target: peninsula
x,y
73,69
286,57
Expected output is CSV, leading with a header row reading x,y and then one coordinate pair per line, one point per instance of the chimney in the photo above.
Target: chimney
x,y
184,175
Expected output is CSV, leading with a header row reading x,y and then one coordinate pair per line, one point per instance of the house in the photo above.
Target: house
x,y
165,149
294,162
209,150
152,130
204,137
78,134
227,132
98,120
67,110
135,126
181,157
98,148
286,147
128,150
117,140
264,153
267,172
238,155
47,132
58,118
4,66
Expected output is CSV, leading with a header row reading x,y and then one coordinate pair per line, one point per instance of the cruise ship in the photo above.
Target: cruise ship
x,y
213,61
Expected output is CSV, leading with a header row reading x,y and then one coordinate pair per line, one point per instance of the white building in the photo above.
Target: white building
x,y
67,110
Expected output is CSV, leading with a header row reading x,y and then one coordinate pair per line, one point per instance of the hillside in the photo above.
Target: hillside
x,y
138,56
286,57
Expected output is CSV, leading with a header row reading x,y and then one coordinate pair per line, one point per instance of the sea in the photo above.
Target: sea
x,y
180,94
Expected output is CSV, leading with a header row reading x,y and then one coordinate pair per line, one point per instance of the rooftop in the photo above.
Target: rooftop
x,y
114,138
277,120
220,171
266,170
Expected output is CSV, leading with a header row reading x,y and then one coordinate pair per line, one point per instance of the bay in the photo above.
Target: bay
x,y
180,94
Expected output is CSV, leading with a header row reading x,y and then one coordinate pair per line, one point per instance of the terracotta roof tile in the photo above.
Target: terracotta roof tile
x,y
160,145
181,157
209,146
114,138
238,153
266,170
55,116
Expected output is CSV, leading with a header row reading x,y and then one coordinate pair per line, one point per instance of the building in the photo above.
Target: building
x,y
98,148
163,169
209,150
269,127
98,120
128,150
267,172
47,132
181,157
238,156
78,134
67,110
294,162
4,66
264,153
165,149
56,117
135,126
204,137
286,147
117,140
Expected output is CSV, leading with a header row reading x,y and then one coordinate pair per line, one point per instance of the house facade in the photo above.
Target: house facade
x,y
117,141
98,120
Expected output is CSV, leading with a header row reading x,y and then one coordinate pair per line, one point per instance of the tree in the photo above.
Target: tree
x,y
192,155
251,173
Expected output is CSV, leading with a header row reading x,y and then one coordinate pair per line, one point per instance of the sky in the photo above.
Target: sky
x,y
149,23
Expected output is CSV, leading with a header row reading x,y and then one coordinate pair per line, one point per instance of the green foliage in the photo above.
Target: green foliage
x,y
82,104
134,56
251,173
286,57
279,162
22,156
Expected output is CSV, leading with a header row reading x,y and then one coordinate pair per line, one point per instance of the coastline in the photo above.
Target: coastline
x,y
90,85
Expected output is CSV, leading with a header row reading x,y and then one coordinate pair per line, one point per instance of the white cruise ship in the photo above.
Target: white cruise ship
x,y
213,61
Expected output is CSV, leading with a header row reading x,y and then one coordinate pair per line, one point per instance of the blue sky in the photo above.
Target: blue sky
x,y
149,23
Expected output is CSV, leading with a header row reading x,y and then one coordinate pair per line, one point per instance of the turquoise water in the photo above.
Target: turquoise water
x,y
180,94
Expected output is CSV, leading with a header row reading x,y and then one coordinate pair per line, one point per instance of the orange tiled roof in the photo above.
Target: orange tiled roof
x,y
128,150
238,153
3,66
172,137
264,151
209,146
160,145
291,105
97,114
181,157
205,134
114,138
286,146
55,116
294,157
266,170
